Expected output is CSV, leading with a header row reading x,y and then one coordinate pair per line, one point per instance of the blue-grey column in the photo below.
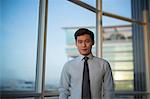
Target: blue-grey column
x,y
138,6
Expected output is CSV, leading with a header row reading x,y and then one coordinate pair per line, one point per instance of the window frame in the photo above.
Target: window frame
x,y
41,49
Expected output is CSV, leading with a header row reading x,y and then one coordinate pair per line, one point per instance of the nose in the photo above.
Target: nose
x,y
83,44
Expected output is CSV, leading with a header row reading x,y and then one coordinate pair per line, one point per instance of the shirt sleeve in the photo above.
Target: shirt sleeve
x,y
64,85
108,83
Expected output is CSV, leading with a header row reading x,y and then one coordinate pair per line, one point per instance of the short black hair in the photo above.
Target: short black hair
x,y
82,31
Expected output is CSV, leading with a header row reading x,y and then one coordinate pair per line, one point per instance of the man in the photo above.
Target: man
x,y
87,76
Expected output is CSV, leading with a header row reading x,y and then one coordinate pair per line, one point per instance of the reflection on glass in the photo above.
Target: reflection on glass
x,y
123,75
117,46
125,97
60,39
122,65
19,35
117,49
124,85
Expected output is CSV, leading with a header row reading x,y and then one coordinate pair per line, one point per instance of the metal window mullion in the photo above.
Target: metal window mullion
x,y
86,6
147,53
99,35
41,49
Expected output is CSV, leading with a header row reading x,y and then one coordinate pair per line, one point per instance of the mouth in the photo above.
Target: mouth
x,y
84,49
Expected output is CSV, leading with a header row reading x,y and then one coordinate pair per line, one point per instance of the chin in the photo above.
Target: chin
x,y
85,54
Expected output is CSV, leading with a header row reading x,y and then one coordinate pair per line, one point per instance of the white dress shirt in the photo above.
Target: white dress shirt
x,y
100,75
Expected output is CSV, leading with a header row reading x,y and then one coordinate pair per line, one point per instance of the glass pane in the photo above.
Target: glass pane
x,y
63,21
25,98
125,97
124,85
90,2
19,33
0,18
119,7
128,65
118,50
1,44
123,75
51,98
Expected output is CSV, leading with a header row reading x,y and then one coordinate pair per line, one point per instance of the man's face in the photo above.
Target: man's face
x,y
84,44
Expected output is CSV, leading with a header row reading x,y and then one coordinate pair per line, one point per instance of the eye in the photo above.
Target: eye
x,y
87,41
79,41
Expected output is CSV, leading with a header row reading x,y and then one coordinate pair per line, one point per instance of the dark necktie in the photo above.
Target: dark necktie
x,y
86,92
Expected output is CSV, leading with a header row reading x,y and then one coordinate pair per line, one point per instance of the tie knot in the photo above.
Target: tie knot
x,y
85,58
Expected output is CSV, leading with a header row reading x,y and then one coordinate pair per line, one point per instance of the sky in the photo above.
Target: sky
x,y
19,32
20,28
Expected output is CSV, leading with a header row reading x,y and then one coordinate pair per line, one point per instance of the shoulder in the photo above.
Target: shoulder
x,y
101,60
68,66
102,63
71,62
74,60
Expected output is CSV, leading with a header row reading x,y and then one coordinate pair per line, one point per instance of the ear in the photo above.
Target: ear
x,y
93,43
76,42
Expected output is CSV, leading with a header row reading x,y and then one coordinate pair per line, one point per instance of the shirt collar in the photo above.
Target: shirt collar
x,y
90,56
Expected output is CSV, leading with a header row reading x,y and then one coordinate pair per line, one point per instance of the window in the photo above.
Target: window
x,y
121,7
18,41
19,33
63,16
117,46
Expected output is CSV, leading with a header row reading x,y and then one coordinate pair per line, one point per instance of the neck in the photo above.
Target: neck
x,y
87,54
